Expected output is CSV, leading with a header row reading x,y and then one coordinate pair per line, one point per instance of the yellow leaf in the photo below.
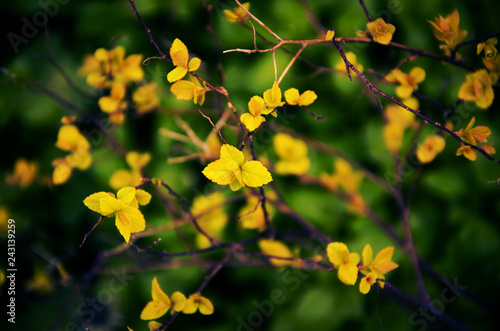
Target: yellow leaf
x,y
252,122
110,204
382,262
69,139
288,147
330,34
276,248
195,302
272,98
178,301
367,255
477,87
351,57
126,194
24,173
176,74
337,252
256,105
232,169
179,53
129,220
348,273
432,145
146,98
183,90
292,153
160,304
221,171
194,64
254,174
153,325
292,96
93,201
251,216
232,153
393,136
142,197
468,152
137,160
62,172
293,167
380,31
157,293
239,15
206,307
121,178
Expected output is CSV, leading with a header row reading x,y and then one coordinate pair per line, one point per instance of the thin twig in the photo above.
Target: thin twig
x,y
367,13
151,39
259,21
88,233
213,125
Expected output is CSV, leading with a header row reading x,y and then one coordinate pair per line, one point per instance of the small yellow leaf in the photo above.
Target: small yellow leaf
x,y
176,74
179,53
194,64
276,248
183,90
129,220
367,255
252,122
232,153
178,301
154,309
126,194
221,171
272,98
348,273
93,201
330,34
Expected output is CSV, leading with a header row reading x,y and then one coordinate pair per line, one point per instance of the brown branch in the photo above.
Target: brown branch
x,y
367,13
151,39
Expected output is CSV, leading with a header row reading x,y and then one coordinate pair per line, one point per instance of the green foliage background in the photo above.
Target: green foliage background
x,y
455,211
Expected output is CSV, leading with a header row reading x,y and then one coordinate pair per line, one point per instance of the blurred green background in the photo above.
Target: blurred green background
x,y
455,211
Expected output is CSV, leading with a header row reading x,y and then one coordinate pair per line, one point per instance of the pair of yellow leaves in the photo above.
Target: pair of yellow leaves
x,y
474,135
347,264
278,249
352,58
232,169
24,173
161,303
105,64
71,140
125,208
251,216
398,120
208,211
292,153
180,59
478,88
123,177
258,106
185,89
144,97
407,83
239,14
430,148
